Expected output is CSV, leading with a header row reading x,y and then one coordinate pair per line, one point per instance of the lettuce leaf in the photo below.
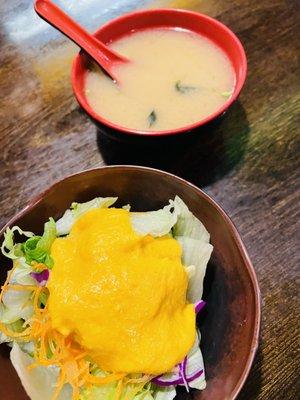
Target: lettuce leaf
x,y
99,202
9,248
16,304
165,393
48,237
195,253
4,338
194,364
65,223
21,274
39,383
187,224
17,326
196,249
155,223
37,248
27,347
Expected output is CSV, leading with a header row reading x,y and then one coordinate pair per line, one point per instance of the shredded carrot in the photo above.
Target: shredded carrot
x,y
18,335
59,386
119,390
39,267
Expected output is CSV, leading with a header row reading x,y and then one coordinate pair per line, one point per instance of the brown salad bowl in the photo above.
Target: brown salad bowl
x,y
229,324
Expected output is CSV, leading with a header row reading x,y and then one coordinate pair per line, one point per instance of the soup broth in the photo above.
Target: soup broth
x,y
175,79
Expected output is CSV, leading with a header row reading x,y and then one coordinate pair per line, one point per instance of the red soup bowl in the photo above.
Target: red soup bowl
x,y
194,22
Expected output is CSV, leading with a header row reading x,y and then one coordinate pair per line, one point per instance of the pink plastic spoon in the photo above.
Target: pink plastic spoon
x,y
99,52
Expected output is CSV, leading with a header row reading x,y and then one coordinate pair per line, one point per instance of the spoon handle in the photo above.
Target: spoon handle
x,y
61,21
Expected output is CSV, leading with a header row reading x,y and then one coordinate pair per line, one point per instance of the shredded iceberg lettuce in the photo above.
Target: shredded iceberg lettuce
x,y
65,223
196,249
48,237
9,248
4,338
21,274
187,224
194,364
99,202
155,223
39,382
16,307
37,248
196,254
164,393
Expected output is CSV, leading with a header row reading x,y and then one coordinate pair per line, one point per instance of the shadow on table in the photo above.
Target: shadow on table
x,y
202,156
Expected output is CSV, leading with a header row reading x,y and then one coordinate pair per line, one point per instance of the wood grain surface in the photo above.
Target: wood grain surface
x,y
248,161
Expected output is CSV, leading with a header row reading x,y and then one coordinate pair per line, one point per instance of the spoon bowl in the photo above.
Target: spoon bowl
x,y
98,51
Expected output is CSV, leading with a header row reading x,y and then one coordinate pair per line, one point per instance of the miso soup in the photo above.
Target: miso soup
x,y
175,79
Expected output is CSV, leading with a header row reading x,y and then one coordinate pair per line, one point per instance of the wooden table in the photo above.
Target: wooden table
x,y
248,162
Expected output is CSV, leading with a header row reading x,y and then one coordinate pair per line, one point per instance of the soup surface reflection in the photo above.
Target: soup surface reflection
x,y
175,78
